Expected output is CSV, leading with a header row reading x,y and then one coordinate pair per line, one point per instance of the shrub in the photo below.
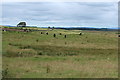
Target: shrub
x,y
14,44
37,40
20,53
39,53
10,53
48,69
25,47
5,73
10,43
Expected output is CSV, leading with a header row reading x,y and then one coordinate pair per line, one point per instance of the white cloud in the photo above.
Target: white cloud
x,y
61,13
60,0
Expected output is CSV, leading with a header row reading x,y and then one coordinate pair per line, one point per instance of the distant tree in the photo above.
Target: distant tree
x,y
48,27
21,24
53,27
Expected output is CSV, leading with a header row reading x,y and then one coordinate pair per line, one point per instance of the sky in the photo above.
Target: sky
x,y
61,14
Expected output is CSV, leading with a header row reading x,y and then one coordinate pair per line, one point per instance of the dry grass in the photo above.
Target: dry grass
x,y
91,55
68,67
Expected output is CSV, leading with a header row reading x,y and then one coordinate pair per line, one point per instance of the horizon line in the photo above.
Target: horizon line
x,y
67,26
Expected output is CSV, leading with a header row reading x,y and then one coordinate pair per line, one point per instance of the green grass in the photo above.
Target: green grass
x,y
36,55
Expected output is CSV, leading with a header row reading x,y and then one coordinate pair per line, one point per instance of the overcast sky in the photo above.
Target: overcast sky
x,y
69,14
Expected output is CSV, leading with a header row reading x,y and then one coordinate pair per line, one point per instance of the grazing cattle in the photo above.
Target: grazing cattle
x,y
118,35
80,34
41,32
65,36
4,30
54,35
60,33
25,30
47,33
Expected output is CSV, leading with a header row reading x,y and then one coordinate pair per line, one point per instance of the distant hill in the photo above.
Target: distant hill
x,y
87,28
77,28
16,26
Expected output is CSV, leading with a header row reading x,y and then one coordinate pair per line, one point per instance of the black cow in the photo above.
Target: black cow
x,y
80,34
54,35
118,35
65,36
47,33
60,33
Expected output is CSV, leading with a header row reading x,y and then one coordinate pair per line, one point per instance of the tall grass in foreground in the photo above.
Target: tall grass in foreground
x,y
36,55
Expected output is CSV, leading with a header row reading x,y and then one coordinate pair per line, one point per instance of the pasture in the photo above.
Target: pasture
x,y
94,54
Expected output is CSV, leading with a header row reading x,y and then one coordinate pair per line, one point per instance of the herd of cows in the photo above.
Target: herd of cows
x,y
54,35
30,30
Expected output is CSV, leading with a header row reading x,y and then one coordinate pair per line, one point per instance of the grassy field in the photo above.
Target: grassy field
x,y
94,54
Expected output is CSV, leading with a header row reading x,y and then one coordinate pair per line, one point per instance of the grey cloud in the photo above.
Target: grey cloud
x,y
57,13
